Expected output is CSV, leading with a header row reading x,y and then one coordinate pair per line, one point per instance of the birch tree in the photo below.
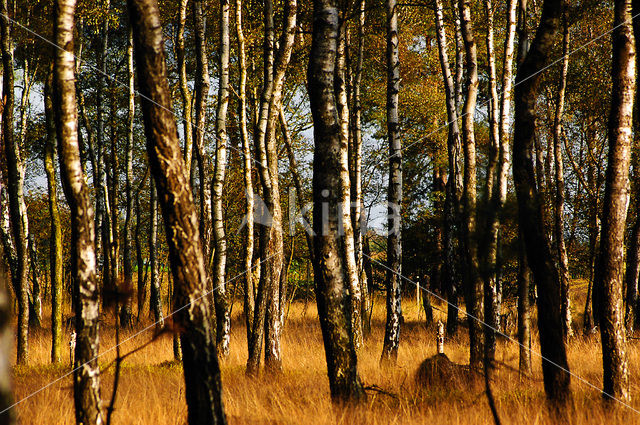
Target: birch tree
x,y
249,286
561,248
473,283
223,319
55,242
453,187
394,193
15,179
330,274
545,273
188,267
86,372
614,215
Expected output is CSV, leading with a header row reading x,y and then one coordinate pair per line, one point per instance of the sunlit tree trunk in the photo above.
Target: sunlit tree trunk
x,y
86,373
355,168
202,92
614,215
203,389
55,241
126,313
249,290
453,187
472,281
394,193
15,180
223,319
561,248
545,273
185,91
347,229
497,195
268,310
35,302
155,301
330,272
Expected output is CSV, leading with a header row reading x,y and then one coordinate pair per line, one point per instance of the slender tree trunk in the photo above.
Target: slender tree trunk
x,y
35,302
202,92
491,313
614,215
297,181
99,171
112,194
394,193
86,372
473,282
271,250
493,108
261,115
631,276
632,269
200,361
185,91
330,273
524,310
15,179
125,313
355,153
223,319
6,342
155,301
497,196
141,285
55,241
249,300
453,187
273,355
347,229
561,248
545,273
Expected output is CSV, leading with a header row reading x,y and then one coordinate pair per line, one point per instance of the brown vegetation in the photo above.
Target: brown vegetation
x,y
152,387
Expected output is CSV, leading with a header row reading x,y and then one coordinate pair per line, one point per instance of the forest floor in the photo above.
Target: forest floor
x,y
151,389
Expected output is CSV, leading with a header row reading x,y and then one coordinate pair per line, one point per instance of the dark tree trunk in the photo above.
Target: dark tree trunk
x,y
86,372
524,310
330,272
55,243
6,344
200,361
141,285
609,277
545,273
15,179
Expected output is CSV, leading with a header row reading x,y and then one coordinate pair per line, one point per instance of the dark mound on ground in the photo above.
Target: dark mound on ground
x,y
438,372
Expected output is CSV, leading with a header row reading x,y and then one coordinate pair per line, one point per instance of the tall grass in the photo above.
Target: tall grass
x,y
152,388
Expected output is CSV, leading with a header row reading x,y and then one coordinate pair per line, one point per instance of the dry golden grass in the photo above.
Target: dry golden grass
x,y
152,388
